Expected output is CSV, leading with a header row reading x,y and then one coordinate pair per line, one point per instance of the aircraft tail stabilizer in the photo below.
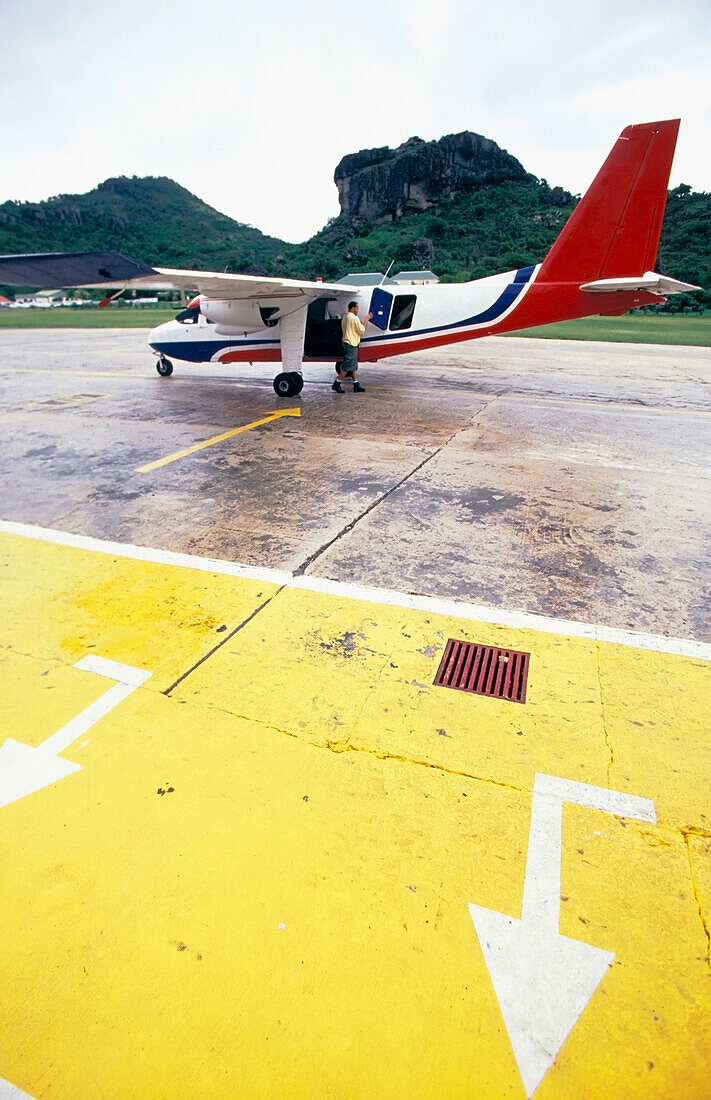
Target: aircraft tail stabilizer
x,y
650,281
614,231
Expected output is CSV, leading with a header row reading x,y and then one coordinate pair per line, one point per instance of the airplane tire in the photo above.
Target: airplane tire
x,y
164,367
286,385
298,381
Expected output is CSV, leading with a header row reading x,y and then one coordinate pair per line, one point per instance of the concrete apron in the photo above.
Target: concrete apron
x,y
546,476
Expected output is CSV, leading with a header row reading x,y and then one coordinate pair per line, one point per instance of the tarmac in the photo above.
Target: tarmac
x,y
251,847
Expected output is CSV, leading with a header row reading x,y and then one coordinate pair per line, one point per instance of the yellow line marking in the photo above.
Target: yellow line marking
x,y
215,439
67,401
81,373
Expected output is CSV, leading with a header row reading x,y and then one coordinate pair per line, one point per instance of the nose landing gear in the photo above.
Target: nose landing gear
x,y
164,367
288,384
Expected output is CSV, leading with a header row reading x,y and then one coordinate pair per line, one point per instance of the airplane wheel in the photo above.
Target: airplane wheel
x,y
164,367
286,384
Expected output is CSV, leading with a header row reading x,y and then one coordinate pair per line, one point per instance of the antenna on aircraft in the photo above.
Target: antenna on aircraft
x,y
386,274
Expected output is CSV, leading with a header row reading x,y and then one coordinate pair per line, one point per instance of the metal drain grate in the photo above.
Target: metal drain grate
x,y
484,670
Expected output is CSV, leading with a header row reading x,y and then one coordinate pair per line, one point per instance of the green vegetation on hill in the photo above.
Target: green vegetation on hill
x,y
685,245
492,228
496,227
152,219
499,227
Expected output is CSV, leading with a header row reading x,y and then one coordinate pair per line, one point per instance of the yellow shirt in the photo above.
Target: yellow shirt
x,y
352,330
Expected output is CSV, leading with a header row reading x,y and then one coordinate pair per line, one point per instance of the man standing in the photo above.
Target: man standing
x,y
352,332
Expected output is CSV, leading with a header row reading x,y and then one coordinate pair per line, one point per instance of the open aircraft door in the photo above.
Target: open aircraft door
x,y
381,304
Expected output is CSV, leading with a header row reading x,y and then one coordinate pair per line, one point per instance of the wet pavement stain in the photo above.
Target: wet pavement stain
x,y
344,646
486,501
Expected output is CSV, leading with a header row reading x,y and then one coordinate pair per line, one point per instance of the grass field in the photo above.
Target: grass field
x,y
66,317
632,328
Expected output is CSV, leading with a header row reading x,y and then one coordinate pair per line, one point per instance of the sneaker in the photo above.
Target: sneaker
x,y
357,388
337,387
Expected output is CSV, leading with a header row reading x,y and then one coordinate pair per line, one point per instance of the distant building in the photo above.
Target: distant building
x,y
376,278
366,278
43,298
415,278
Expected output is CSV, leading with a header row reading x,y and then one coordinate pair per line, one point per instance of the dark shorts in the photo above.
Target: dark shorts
x,y
350,357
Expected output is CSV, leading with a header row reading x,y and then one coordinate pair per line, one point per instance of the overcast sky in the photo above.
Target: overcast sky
x,y
250,104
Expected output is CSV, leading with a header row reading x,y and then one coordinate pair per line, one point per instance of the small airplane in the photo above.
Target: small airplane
x,y
601,263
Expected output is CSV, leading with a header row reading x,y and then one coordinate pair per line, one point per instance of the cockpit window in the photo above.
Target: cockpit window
x,y
188,316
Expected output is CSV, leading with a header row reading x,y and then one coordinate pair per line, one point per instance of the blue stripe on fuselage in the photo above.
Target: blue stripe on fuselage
x,y
524,274
203,351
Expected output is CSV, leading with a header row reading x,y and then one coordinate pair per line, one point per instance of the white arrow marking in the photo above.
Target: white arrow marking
x,y
9,1091
24,769
542,979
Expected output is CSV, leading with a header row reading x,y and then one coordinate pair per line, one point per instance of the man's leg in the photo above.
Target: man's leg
x,y
337,387
357,388
349,365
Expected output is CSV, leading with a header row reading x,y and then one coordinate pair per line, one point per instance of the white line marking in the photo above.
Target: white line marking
x,y
25,769
659,643
541,891
128,678
596,798
113,670
543,980
144,553
9,1091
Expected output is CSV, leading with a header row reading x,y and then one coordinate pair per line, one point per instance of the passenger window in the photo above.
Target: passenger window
x,y
403,310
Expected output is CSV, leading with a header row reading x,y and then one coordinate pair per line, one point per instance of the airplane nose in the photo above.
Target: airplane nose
x,y
156,335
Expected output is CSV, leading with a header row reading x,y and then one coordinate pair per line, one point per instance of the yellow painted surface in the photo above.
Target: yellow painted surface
x,y
290,920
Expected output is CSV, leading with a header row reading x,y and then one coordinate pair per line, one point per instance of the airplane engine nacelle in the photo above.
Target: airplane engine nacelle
x,y
234,315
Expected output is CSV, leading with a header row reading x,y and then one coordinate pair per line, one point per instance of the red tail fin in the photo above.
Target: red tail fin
x,y
614,230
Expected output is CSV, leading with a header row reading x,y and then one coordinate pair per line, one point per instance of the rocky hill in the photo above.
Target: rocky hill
x,y
381,185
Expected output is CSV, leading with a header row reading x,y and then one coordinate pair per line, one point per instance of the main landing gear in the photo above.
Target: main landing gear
x,y
288,384
164,367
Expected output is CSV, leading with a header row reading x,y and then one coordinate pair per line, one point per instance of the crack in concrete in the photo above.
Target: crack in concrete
x,y
687,834
13,652
345,745
301,569
366,699
690,376
695,830
223,641
605,731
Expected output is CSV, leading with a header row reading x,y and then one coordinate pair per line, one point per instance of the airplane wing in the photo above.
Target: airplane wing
x,y
45,270
216,284
114,270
